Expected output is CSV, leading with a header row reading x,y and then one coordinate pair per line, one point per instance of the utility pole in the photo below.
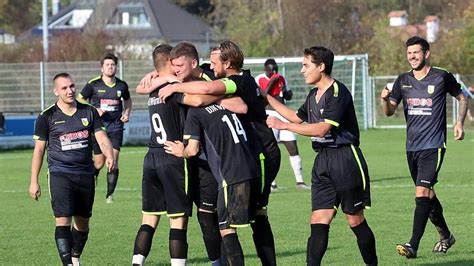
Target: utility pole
x,y
45,30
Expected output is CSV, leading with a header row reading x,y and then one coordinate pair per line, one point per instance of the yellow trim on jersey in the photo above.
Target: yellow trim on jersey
x,y
94,79
440,68
48,108
36,137
175,214
262,166
360,165
439,159
367,207
230,86
238,225
224,187
186,176
206,77
110,85
336,89
186,137
334,123
154,213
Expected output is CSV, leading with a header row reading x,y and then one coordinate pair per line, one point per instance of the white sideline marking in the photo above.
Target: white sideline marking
x,y
283,188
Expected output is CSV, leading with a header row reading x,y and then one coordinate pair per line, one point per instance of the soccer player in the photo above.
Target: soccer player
x,y
65,129
111,97
340,175
275,85
228,152
227,62
164,184
423,92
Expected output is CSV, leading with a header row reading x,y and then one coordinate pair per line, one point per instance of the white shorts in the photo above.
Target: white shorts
x,y
281,135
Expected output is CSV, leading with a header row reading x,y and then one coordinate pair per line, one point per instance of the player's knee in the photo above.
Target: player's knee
x,y
291,147
424,192
63,221
355,220
227,231
323,216
179,222
151,220
262,212
99,161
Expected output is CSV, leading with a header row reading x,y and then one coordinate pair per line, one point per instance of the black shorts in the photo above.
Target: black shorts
x,y
203,185
340,177
424,166
115,137
165,185
236,204
270,162
71,194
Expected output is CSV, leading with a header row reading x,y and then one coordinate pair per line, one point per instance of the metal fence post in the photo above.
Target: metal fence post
x,y
42,85
120,65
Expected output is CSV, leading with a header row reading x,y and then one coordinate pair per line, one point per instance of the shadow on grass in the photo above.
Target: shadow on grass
x,y
389,178
451,263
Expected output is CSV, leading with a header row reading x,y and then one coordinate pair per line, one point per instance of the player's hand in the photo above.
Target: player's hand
x,y
165,92
458,131
146,80
124,118
275,123
35,191
385,94
176,148
100,111
111,164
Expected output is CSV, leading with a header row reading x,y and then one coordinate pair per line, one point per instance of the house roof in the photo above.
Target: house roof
x,y
397,14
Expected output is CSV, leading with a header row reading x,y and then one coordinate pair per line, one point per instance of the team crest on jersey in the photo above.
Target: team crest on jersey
x,y
85,122
431,89
119,93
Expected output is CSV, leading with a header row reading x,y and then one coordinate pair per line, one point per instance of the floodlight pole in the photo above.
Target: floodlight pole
x,y
45,30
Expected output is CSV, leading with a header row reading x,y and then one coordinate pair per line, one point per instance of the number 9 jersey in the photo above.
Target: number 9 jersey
x,y
166,119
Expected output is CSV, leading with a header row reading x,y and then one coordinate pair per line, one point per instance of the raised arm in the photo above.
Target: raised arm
x,y
311,130
234,104
463,106
282,109
216,87
388,105
149,87
36,163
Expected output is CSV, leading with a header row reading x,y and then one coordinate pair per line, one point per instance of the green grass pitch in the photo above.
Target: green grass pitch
x,y
27,227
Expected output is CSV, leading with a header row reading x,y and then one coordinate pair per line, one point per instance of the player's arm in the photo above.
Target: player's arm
x,y
158,81
178,149
216,87
126,110
36,163
282,109
311,130
234,104
106,148
463,107
388,105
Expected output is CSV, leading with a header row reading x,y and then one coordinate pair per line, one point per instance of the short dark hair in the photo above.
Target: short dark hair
x,y
185,48
272,64
161,55
61,75
109,56
231,52
319,55
425,46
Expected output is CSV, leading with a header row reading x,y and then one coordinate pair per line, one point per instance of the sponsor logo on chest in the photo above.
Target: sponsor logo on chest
x,y
119,94
85,122
431,89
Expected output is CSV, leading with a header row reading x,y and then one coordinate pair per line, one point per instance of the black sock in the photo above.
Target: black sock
x,y
366,242
96,172
112,179
79,240
263,239
178,245
422,212
143,240
63,239
317,244
437,218
233,250
210,234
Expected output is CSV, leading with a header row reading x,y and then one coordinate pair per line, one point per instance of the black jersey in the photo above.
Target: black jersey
x,y
107,97
424,105
225,143
166,119
69,138
336,108
245,87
